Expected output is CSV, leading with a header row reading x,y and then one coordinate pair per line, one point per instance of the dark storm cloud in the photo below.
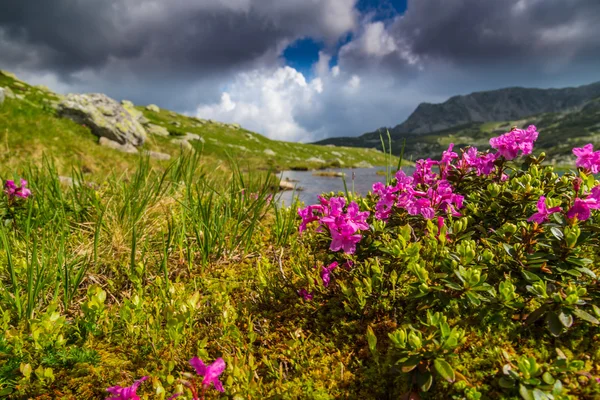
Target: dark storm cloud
x,y
66,36
489,32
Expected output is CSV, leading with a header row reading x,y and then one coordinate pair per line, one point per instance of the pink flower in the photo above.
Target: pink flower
x,y
305,294
209,372
543,211
126,393
587,158
11,189
344,239
326,273
580,210
510,143
308,215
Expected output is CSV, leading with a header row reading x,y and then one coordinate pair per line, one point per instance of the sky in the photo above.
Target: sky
x,y
299,70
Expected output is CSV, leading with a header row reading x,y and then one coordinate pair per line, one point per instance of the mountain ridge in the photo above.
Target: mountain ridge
x,y
506,104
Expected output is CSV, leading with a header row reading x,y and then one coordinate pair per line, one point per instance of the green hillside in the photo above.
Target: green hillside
x,y
29,127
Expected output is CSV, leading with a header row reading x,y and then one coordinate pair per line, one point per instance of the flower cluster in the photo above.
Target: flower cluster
x,y
425,193
587,158
509,144
12,190
344,226
126,393
210,373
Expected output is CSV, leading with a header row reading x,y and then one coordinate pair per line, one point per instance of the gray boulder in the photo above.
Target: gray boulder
x,y
105,117
125,148
152,107
157,130
157,156
184,144
1,95
191,136
269,152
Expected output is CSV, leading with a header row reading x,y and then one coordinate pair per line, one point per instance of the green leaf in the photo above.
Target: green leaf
x,y
565,319
557,233
509,249
410,364
507,383
539,395
424,380
557,388
586,271
530,276
548,378
473,298
525,393
582,262
444,369
585,316
554,325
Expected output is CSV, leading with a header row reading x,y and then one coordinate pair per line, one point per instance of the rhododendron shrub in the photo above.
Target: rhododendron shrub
x,y
472,259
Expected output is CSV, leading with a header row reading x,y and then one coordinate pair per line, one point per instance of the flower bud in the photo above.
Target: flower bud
x,y
414,341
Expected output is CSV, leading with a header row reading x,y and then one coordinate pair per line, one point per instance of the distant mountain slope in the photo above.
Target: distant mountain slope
x,y
564,116
496,105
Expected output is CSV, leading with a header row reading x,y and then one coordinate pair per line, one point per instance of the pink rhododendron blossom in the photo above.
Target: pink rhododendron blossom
x,y
543,212
509,144
587,158
305,294
308,215
423,172
210,372
580,210
126,393
326,273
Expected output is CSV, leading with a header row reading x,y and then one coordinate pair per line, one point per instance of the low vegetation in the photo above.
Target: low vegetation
x,y
475,277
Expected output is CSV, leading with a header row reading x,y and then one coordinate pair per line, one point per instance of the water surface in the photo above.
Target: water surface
x,y
312,185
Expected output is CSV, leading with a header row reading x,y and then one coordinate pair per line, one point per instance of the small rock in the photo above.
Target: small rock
x,y
335,153
285,185
184,144
177,124
43,88
125,148
363,164
153,108
172,114
157,156
157,130
2,95
251,137
192,136
235,146
143,120
316,160
127,103
330,145
8,93
20,96
269,152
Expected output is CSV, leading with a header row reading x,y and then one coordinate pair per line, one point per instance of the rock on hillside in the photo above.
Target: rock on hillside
x,y
104,116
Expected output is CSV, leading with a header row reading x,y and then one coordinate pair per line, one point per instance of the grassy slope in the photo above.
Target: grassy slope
x,y
29,127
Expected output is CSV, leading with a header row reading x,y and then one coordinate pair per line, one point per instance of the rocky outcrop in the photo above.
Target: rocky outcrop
x,y
157,130
105,117
125,148
153,108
